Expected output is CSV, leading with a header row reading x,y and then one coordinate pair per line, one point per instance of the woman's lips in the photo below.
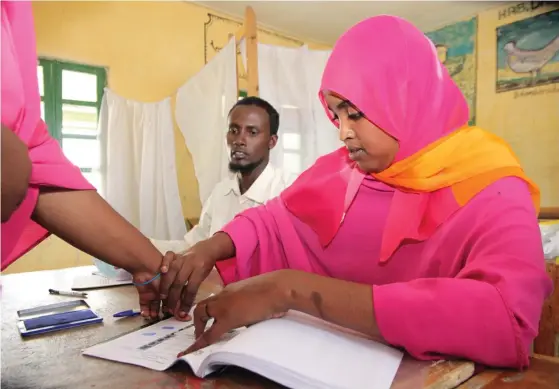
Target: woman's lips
x,y
356,154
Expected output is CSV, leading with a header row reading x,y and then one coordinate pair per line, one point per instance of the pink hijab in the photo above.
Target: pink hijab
x,y
21,112
390,71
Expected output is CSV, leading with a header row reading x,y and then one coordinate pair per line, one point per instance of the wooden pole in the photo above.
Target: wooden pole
x,y
251,39
249,32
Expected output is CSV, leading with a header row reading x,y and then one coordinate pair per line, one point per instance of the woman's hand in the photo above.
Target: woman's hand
x,y
182,275
240,304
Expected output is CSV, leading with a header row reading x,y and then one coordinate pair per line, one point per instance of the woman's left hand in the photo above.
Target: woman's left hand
x,y
239,304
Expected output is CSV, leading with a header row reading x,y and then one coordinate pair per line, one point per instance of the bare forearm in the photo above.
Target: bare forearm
x,y
86,221
219,246
344,303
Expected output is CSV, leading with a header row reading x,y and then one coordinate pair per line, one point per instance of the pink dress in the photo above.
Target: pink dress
x,y
474,289
448,279
21,112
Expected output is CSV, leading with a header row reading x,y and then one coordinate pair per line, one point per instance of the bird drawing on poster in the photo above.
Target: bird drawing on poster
x,y
530,61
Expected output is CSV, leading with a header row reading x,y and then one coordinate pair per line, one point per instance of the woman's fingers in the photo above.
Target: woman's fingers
x,y
190,291
168,278
175,291
167,259
212,335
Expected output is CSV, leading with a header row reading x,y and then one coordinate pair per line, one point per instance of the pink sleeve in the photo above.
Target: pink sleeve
x,y
21,112
260,244
243,234
490,312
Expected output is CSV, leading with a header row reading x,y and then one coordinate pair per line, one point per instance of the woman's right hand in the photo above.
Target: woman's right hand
x,y
186,271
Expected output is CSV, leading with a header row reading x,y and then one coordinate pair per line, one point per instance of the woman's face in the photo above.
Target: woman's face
x,y
372,148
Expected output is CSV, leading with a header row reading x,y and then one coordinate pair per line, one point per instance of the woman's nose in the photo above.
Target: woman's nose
x,y
345,131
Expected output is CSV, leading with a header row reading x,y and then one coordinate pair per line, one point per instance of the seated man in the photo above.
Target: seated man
x,y
253,132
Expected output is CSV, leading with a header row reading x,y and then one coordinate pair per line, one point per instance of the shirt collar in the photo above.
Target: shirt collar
x,y
258,191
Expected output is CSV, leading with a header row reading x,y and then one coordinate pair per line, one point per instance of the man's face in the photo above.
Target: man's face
x,y
249,138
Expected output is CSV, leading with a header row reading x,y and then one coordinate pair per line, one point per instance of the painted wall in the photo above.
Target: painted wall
x,y
150,50
518,105
527,118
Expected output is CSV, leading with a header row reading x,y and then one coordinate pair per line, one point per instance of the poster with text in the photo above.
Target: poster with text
x,y
528,52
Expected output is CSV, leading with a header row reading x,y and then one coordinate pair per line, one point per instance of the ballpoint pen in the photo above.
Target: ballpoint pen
x,y
71,294
128,313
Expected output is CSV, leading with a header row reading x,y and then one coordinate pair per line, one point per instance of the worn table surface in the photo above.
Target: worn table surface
x,y
54,361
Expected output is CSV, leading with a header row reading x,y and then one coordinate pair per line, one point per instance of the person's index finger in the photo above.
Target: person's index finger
x,y
189,293
199,319
167,259
167,280
209,337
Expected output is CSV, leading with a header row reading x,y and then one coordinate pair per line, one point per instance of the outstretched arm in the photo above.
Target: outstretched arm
x,y
86,221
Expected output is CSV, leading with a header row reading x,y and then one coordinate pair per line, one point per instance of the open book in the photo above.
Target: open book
x,y
298,351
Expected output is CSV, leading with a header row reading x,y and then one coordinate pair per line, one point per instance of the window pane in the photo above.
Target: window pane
x,y
291,141
94,178
292,162
79,120
43,110
41,80
79,86
82,152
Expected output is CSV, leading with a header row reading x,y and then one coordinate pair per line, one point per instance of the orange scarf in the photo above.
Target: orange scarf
x,y
467,161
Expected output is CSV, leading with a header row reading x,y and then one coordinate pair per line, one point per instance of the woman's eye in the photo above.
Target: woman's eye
x,y
354,115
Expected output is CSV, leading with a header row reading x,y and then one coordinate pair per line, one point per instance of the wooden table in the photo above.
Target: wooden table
x,y
54,361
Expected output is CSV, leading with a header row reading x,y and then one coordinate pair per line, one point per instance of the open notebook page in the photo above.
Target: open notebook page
x,y
314,351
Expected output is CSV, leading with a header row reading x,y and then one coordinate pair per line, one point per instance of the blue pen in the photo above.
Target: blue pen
x,y
128,313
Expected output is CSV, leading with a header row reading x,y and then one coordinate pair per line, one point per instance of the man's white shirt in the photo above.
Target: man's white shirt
x,y
225,202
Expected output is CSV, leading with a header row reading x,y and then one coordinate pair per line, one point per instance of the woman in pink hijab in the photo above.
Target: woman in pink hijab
x,y
42,192
421,232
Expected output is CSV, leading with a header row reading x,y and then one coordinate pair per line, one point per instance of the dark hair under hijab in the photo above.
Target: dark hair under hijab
x,y
273,115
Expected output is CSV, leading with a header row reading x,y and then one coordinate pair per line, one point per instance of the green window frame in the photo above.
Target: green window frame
x,y
53,100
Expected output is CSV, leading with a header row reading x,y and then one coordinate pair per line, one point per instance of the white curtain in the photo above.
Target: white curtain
x,y
140,171
289,79
201,112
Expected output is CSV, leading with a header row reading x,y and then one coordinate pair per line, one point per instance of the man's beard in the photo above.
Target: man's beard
x,y
244,169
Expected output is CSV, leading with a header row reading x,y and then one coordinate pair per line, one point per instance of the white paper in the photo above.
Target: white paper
x,y
155,347
298,351
299,348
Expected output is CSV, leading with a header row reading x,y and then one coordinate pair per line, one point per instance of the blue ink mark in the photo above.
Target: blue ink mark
x,y
148,333
168,328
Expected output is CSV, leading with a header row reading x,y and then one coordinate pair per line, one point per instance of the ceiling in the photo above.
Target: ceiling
x,y
325,21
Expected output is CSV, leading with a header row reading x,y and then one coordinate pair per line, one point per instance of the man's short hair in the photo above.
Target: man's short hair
x,y
273,115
